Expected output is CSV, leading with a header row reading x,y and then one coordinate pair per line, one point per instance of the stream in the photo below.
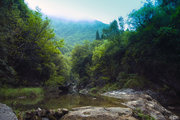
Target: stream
x,y
62,101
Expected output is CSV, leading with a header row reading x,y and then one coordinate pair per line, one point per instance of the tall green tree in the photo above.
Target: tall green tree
x,y
111,31
139,18
97,35
121,23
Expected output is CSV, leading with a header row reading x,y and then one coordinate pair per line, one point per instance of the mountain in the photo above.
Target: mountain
x,y
75,32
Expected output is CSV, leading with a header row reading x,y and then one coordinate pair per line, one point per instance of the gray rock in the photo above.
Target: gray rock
x,y
140,100
125,94
6,113
99,113
65,111
84,91
45,114
45,119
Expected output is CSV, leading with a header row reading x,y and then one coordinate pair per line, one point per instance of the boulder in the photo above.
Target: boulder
x,y
99,113
6,113
84,91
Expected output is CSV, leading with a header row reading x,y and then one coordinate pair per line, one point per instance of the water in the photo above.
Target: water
x,y
62,101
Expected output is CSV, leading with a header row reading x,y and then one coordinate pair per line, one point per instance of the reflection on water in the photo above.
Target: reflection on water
x,y
63,101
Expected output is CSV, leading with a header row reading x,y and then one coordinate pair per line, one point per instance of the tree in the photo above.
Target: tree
x,y
168,3
139,18
114,29
97,35
81,60
121,23
111,31
28,47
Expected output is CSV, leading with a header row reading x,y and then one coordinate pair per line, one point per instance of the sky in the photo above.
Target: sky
x,y
103,10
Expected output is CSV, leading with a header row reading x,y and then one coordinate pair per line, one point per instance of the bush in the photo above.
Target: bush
x,y
110,87
94,90
141,116
130,81
134,83
55,81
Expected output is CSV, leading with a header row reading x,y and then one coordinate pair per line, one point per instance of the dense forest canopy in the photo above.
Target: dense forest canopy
x,y
147,52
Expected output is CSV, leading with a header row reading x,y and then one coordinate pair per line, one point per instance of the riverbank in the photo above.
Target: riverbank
x,y
140,106
21,92
137,106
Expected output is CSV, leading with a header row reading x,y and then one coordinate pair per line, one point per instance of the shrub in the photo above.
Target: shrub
x,y
110,87
136,82
130,81
141,116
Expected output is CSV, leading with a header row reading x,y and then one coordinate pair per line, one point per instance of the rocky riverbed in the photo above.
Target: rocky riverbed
x,y
138,106
138,100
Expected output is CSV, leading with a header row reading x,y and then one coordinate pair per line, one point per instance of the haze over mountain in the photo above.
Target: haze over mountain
x,y
75,32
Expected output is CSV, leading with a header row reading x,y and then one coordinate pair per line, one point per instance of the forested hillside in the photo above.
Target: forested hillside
x,y
148,52
75,32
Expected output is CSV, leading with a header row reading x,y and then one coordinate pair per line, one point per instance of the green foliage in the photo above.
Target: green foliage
x,y
99,51
121,23
154,49
164,88
141,17
81,60
29,51
93,90
135,83
66,50
111,31
110,87
55,81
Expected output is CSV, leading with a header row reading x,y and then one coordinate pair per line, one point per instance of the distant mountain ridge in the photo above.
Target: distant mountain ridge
x,y
75,32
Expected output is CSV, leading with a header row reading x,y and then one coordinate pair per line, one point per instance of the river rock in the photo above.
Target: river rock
x,y
6,113
84,91
140,100
54,114
99,113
